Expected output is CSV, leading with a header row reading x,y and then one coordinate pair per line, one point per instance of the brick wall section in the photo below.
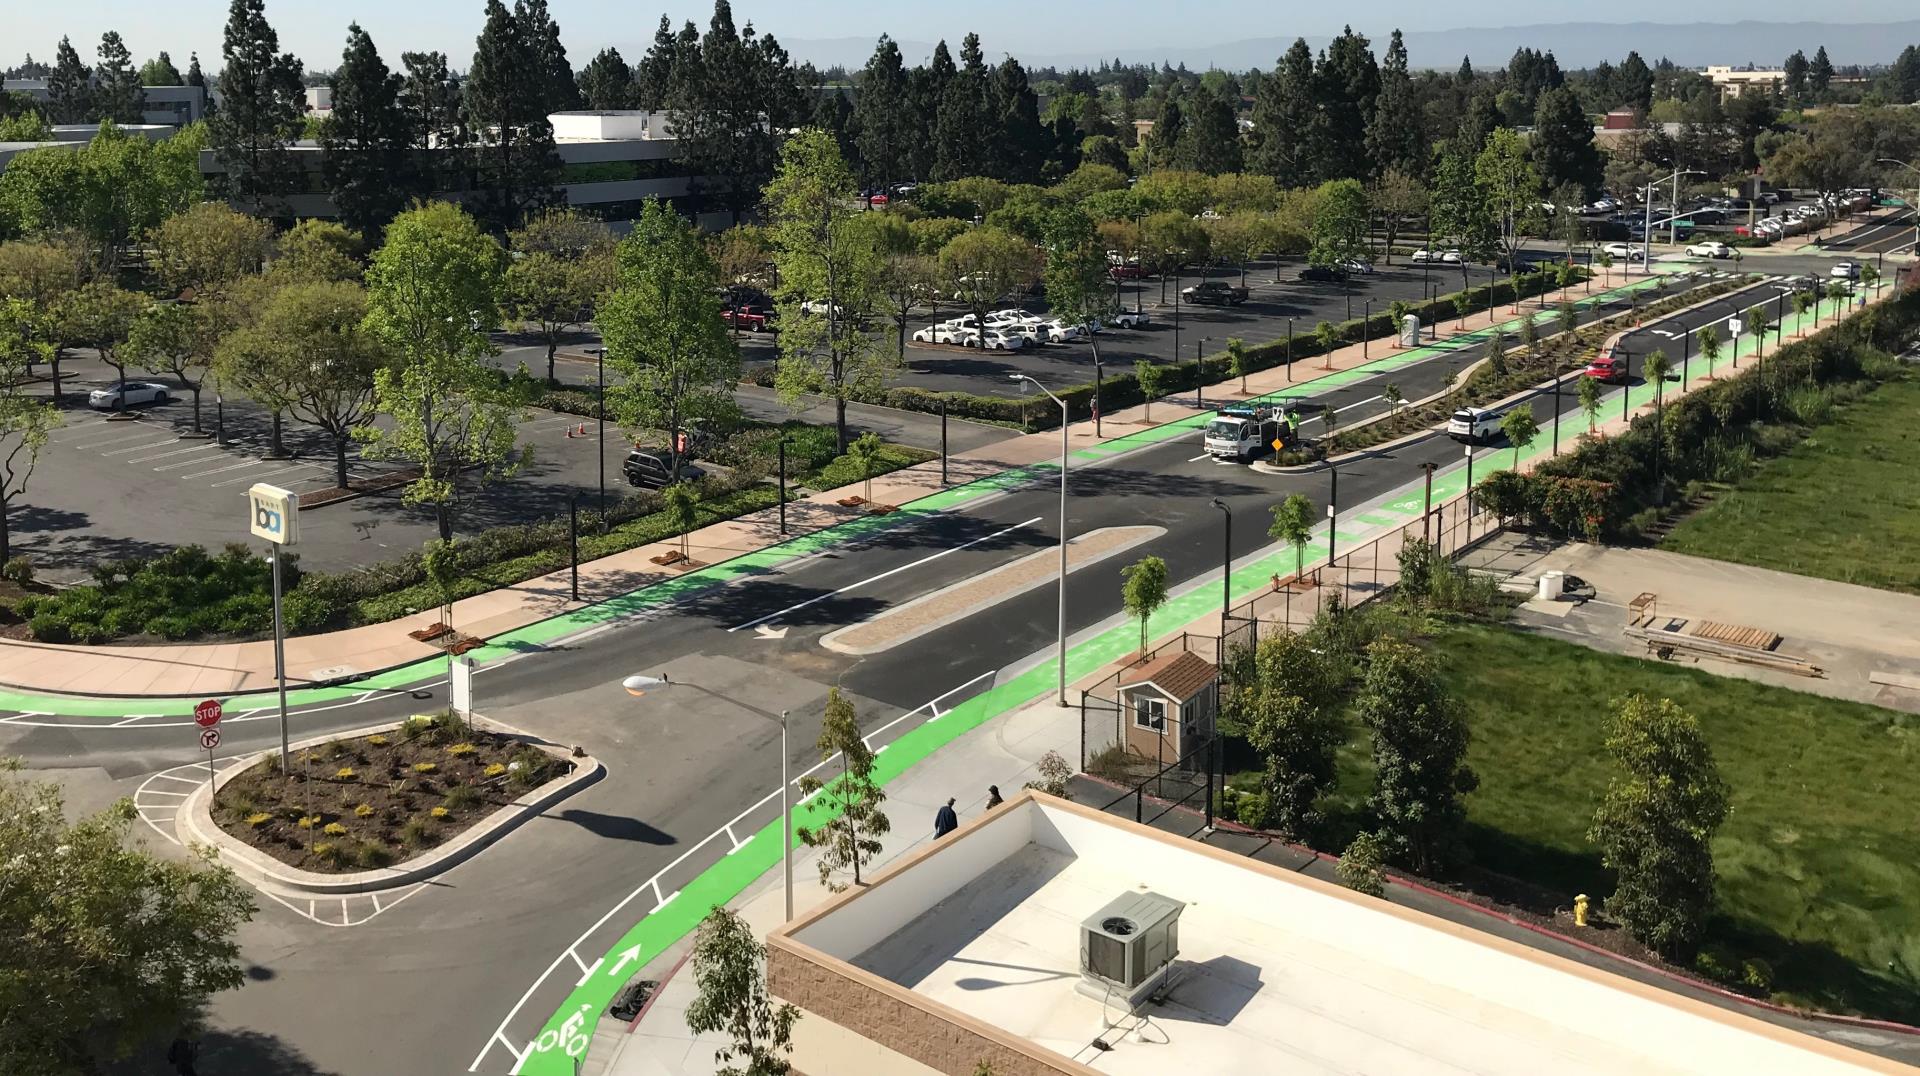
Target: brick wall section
x,y
860,1003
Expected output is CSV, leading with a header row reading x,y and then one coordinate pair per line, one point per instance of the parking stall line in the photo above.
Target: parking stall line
x,y
142,448
198,459
268,474
199,449
221,470
141,435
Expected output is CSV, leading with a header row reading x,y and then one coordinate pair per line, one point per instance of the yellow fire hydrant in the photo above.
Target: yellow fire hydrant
x,y
1580,910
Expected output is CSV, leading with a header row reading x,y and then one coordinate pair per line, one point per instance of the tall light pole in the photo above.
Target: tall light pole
x,y
600,418
1061,642
1914,205
1646,227
638,686
1226,570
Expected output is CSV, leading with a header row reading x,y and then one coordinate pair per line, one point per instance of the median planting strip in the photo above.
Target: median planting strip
x,y
659,595
726,879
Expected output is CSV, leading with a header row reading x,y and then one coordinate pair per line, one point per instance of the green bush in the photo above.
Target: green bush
x,y
1756,975
17,570
49,626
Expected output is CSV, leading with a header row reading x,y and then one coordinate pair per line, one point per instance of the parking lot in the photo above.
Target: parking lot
x,y
109,488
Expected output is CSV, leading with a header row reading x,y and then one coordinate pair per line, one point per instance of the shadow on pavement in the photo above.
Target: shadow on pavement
x,y
615,827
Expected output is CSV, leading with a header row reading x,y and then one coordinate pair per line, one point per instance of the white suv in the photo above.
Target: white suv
x,y
1710,249
1474,425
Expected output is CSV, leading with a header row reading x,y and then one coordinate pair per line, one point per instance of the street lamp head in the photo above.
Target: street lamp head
x,y
639,685
1220,504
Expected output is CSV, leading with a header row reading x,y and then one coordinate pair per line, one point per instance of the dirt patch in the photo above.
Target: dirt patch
x,y
371,801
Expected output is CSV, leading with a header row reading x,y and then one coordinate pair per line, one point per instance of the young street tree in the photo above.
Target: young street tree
x,y
828,269
1143,590
562,262
25,420
661,323
430,300
730,979
307,353
1419,754
1521,429
1590,402
1291,712
1293,524
853,823
114,946
1656,822
262,105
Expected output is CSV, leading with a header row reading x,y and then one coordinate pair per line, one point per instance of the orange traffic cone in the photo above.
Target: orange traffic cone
x,y
582,432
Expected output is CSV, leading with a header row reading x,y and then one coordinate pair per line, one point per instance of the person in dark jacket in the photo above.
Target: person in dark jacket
x,y
945,821
181,1054
993,797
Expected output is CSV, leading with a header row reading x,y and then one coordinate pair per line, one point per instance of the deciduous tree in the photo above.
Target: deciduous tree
x,y
1420,741
664,336
107,946
206,250
1290,709
1143,590
176,340
561,263
1656,822
1521,428
852,822
25,420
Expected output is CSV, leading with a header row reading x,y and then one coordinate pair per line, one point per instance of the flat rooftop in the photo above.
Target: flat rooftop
x,y
1276,972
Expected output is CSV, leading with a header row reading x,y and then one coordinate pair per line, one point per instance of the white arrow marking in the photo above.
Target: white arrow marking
x,y
627,956
765,632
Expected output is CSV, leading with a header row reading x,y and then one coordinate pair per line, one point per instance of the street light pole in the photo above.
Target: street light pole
x,y
1366,327
1226,571
1289,350
786,817
1333,501
600,419
1469,452
1061,640
1426,511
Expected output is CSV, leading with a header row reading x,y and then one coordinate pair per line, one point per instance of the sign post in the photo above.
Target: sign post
x,y
207,715
275,516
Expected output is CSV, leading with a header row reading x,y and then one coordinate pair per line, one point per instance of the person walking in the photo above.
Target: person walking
x,y
181,1054
945,821
993,797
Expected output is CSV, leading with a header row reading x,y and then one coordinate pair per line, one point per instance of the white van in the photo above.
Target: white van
x,y
1474,425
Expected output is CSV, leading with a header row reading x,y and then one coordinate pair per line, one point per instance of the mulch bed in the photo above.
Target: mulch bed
x,y
371,801
318,497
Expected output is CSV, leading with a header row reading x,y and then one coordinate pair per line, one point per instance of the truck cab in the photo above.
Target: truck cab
x,y
1242,431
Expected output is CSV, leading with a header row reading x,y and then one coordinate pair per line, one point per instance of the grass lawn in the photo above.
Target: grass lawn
x,y
1841,505
1819,861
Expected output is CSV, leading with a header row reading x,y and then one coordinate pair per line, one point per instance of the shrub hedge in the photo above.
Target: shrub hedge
x,y
1605,489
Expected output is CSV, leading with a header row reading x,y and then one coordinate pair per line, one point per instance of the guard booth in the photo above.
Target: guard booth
x,y
1169,705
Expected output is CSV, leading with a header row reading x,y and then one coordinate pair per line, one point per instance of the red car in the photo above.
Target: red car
x,y
1126,272
752,319
1608,368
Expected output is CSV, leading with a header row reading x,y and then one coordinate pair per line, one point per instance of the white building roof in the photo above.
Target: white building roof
x,y
1277,972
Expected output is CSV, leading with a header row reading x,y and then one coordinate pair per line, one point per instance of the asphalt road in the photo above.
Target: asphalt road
x,y
455,956
1891,234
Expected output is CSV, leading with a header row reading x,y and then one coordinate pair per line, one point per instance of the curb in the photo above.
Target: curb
x,y
196,826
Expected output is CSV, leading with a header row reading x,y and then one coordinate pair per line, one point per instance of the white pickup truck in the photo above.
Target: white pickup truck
x,y
1242,431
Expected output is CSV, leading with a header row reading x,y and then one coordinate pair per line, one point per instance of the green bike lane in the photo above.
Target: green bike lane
x,y
726,879
658,596
547,1051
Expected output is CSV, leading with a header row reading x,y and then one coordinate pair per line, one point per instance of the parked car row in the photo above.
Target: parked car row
x,y
1012,329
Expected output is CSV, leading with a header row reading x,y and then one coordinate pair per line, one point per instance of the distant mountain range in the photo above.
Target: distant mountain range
x,y
1574,44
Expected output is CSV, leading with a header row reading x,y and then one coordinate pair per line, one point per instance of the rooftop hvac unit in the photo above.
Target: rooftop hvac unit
x,y
1128,942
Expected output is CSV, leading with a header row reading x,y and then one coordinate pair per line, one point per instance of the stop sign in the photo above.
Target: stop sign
x,y
207,714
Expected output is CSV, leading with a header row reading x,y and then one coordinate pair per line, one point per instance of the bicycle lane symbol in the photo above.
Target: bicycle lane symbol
x,y
570,1038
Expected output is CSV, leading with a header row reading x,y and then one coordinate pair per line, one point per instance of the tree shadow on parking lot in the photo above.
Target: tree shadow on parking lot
x,y
224,1051
616,827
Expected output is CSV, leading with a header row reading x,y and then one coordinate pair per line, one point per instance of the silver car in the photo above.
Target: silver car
x,y
128,393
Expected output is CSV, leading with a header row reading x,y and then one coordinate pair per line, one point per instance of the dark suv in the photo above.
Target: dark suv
x,y
1214,293
654,470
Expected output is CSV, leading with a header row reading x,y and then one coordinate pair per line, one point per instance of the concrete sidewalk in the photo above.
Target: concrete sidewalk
x,y
220,669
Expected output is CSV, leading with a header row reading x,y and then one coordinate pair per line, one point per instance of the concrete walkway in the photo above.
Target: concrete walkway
x,y
221,669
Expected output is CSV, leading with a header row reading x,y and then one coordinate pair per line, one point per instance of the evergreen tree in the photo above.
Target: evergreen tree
x,y
504,100
1211,142
559,92
1633,84
961,128
883,115
430,100
160,71
261,111
926,87
69,87
1395,140
116,87
729,103
1284,116
1820,72
195,77
1563,150
367,140
607,81
1463,77
1420,739
1655,824
1903,79
1346,85
1796,76
1163,142
1483,115
1017,145
653,75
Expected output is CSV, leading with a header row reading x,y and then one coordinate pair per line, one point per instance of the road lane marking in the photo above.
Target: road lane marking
x,y
885,574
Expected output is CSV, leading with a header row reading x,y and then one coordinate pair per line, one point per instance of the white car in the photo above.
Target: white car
x,y
1059,332
1426,254
1622,250
128,393
997,340
1712,249
943,334
1130,319
1844,271
1453,257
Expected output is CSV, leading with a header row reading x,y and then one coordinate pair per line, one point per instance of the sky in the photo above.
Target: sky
x,y
316,31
